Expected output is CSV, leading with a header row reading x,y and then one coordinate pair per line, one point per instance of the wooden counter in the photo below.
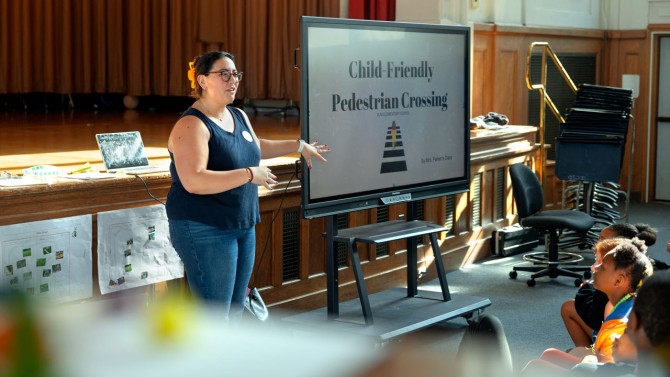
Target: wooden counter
x,y
291,267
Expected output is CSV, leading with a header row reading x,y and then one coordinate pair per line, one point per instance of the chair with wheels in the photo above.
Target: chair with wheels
x,y
529,198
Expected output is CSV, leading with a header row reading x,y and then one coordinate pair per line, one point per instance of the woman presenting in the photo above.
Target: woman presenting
x,y
212,205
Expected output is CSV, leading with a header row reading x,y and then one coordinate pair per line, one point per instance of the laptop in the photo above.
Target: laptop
x,y
124,152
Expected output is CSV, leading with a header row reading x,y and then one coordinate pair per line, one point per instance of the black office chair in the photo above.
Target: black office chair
x,y
529,198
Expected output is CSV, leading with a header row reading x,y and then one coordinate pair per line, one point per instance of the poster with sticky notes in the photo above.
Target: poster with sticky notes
x,y
48,259
134,249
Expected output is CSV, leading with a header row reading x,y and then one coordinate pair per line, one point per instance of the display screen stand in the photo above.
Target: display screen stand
x,y
396,311
377,234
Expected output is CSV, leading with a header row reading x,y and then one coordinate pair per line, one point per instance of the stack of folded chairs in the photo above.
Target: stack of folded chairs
x,y
589,152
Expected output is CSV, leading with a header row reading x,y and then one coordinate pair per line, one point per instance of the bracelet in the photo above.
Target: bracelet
x,y
250,174
302,145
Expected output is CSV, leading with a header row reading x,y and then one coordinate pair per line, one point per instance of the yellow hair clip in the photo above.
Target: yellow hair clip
x,y
191,73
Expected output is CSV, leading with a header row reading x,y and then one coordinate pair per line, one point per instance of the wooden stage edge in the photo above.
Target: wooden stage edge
x,y
66,139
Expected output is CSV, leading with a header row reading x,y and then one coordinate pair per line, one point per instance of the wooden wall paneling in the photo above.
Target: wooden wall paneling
x,y
268,266
638,49
397,212
511,49
610,65
628,54
509,197
78,198
499,66
488,197
299,294
462,217
482,71
275,248
304,250
635,62
307,292
315,249
506,194
512,44
359,218
441,212
468,245
432,210
390,271
371,249
580,41
510,200
475,200
509,78
495,177
266,263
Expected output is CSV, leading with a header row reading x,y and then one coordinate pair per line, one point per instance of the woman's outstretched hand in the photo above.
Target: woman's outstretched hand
x,y
314,149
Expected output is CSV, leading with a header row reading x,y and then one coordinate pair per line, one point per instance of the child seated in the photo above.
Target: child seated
x,y
584,314
618,275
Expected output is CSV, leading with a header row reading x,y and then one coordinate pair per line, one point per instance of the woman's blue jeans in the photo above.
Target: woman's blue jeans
x,y
218,262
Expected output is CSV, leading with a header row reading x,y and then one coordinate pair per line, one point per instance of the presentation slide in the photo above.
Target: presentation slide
x,y
390,103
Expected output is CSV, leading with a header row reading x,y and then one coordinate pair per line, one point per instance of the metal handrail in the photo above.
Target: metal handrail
x,y
545,100
544,96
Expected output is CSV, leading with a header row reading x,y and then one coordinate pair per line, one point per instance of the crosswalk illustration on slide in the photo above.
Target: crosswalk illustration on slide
x,y
393,160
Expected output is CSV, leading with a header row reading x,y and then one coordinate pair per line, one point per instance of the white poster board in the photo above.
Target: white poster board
x,y
48,259
134,249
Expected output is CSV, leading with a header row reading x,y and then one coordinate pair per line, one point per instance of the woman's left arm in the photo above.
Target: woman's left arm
x,y
278,148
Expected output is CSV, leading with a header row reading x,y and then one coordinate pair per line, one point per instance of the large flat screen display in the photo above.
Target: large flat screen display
x,y
391,100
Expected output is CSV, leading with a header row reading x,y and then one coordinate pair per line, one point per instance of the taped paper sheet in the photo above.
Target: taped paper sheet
x,y
134,249
48,259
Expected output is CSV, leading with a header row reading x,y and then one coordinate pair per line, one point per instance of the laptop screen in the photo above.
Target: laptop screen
x,y
122,150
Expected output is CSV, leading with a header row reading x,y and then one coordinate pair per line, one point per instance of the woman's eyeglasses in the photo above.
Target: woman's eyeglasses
x,y
227,75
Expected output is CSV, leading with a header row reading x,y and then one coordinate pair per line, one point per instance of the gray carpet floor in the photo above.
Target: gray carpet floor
x,y
530,315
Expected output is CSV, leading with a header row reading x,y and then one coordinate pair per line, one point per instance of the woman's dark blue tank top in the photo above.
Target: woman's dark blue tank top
x,y
232,209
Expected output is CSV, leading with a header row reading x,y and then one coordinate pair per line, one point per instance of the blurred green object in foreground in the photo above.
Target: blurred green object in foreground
x,y
22,350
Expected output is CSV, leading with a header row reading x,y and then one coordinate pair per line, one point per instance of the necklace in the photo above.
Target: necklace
x,y
625,298
210,113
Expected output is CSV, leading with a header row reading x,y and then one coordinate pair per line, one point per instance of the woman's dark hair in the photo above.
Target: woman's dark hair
x,y
642,231
629,256
203,64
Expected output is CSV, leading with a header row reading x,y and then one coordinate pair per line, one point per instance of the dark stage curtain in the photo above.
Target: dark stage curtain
x,y
142,47
383,10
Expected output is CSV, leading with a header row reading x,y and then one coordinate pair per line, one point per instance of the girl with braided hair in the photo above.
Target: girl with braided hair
x,y
585,313
619,274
